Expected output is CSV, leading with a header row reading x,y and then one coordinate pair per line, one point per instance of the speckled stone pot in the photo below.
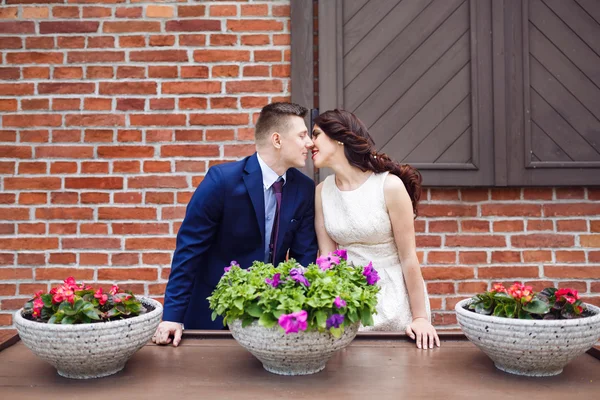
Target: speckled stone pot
x,y
84,351
301,353
530,347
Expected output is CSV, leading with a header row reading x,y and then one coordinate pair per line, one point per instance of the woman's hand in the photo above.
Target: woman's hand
x,y
423,332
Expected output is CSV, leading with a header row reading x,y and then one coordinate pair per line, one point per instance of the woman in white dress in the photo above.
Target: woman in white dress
x,y
368,207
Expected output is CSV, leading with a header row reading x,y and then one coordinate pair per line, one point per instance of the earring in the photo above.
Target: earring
x,y
340,143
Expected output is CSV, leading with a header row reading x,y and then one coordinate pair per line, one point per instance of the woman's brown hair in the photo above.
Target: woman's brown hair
x,y
359,148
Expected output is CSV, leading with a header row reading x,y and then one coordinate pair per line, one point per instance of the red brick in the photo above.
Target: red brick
x,y
71,42
156,166
62,228
166,71
428,241
95,56
14,214
475,226
474,195
17,27
8,273
69,27
8,105
39,43
191,11
16,89
572,271
61,273
110,213
223,40
225,71
570,193
66,73
33,198
256,40
9,12
66,88
157,259
111,88
91,243
11,42
122,274
281,11
128,198
430,210
61,167
223,11
166,243
256,70
219,134
539,225
159,198
93,259
157,182
542,240
125,259
140,228
219,119
238,150
221,55
95,198
195,72
267,55
28,243
192,40
590,240
157,119
510,210
32,229
8,289
36,72
66,104
9,73
472,287
508,226
45,183
475,241
100,42
130,104
95,120
537,193
64,198
253,86
65,152
441,257
570,256
200,87
108,182
97,104
255,9
92,167
131,26
126,166
159,56
253,102
162,40
129,12
193,25
32,168
132,41
15,151
247,25
282,40
7,198
506,257
537,256
506,194
62,258
76,213
572,209
193,103
576,225
507,272
96,12
436,273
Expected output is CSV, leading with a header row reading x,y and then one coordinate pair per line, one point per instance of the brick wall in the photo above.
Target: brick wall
x,y
113,111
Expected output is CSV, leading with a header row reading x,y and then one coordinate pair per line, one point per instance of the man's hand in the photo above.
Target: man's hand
x,y
165,330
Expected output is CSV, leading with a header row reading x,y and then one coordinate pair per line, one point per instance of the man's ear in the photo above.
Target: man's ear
x,y
276,140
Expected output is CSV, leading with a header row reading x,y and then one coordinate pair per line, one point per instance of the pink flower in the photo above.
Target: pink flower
x,y
519,291
102,297
339,302
341,253
38,304
117,299
498,288
371,274
114,290
326,262
570,295
70,283
294,322
275,281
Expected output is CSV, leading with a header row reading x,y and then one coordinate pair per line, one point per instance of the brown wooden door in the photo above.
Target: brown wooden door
x,y
555,100
418,73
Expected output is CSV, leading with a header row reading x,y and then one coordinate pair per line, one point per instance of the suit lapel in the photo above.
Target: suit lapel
x,y
254,184
288,205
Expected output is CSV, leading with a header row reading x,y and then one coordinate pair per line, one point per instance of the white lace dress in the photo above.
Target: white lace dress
x,y
358,221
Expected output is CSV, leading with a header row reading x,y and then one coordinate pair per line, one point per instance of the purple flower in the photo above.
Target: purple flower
x,y
339,302
297,275
275,281
371,275
294,322
334,321
227,269
341,253
326,262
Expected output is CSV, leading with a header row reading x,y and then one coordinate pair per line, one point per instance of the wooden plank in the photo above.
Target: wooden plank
x,y
431,115
544,148
8,337
371,73
564,71
378,39
499,94
444,135
330,66
459,152
366,19
592,7
565,39
302,63
578,20
421,92
560,131
584,123
351,7
395,86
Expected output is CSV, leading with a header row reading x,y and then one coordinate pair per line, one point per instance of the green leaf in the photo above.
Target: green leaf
x,y
267,320
510,309
91,313
247,321
78,305
352,315
53,320
536,306
524,315
214,315
68,320
336,332
239,303
66,308
254,310
366,317
499,310
321,318
47,299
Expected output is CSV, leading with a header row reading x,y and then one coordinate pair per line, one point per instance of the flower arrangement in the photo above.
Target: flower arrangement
x,y
520,301
71,303
326,296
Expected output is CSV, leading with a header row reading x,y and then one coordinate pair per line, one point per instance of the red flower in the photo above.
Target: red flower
x,y
102,297
519,291
498,288
570,295
117,299
38,304
70,283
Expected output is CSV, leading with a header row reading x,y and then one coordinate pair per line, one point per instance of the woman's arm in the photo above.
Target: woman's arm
x,y
401,216
326,245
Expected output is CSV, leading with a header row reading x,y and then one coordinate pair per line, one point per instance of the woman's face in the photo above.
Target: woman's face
x,y
325,149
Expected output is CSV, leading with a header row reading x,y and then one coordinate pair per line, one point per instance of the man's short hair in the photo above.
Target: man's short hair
x,y
274,118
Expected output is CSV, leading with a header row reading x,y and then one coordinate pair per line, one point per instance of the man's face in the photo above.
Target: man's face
x,y
295,143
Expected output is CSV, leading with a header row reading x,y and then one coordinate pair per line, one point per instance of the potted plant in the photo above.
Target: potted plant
x,y
293,318
529,333
85,332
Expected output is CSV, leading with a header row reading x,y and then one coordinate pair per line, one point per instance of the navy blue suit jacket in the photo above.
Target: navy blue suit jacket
x,y
225,221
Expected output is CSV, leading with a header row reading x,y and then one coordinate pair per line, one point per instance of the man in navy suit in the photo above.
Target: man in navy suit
x,y
258,208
